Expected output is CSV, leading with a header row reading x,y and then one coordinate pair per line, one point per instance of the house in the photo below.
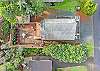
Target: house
x,y
36,34
64,29
61,29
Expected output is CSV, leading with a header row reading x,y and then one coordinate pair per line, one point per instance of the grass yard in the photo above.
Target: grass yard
x,y
76,68
90,48
66,5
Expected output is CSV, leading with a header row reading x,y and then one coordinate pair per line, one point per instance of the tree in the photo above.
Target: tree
x,y
9,9
88,7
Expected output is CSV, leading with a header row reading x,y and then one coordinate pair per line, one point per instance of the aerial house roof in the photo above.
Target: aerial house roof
x,y
60,29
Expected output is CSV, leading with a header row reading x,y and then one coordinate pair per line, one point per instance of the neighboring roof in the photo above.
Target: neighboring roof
x,y
40,65
59,29
53,0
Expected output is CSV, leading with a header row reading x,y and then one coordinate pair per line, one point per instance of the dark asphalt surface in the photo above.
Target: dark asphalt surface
x,y
97,37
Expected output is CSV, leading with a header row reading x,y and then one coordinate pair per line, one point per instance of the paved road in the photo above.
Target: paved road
x,y
97,37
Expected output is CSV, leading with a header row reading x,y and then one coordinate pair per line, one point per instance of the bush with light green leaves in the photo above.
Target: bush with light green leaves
x,y
88,7
32,51
67,52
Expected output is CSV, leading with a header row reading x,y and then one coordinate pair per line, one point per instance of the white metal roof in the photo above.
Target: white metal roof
x,y
59,29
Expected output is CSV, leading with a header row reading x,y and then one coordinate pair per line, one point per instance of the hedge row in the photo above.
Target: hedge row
x,y
67,52
32,51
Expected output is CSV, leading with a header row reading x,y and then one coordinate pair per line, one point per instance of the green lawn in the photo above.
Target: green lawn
x,y
76,68
90,48
66,5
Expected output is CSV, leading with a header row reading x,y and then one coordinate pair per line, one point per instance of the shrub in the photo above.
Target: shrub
x,y
5,28
32,51
13,58
14,37
67,53
88,7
